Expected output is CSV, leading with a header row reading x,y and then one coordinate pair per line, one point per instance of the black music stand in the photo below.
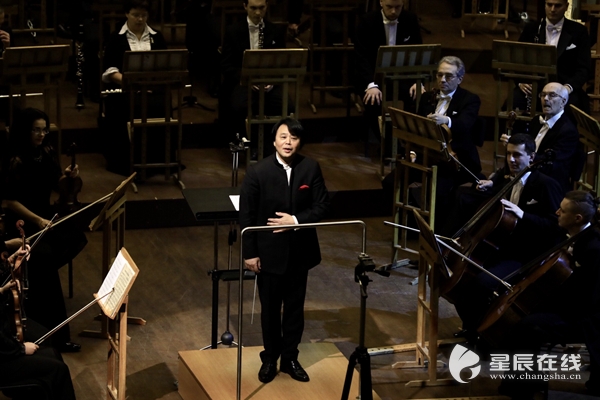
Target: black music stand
x,y
213,205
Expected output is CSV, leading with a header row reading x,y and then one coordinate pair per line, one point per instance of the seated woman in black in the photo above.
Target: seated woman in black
x,y
32,172
134,35
26,362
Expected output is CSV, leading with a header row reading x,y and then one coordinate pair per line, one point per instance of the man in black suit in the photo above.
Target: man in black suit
x,y
253,32
570,315
572,43
533,200
458,109
282,189
555,131
387,27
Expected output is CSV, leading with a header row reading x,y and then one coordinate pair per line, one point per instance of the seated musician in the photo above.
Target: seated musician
x,y
390,26
573,314
554,130
134,35
32,174
573,63
250,33
26,362
533,200
458,109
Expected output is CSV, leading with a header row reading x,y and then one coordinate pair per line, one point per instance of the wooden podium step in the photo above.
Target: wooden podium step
x,y
212,374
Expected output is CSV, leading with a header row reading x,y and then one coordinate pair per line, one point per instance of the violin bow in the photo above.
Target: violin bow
x,y
73,214
467,259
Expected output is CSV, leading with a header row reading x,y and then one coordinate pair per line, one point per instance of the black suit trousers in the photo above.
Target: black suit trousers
x,y
282,333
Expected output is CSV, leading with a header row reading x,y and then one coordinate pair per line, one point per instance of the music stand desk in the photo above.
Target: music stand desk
x,y
213,205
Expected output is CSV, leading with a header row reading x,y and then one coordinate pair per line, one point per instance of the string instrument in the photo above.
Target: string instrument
x,y
554,266
481,237
19,276
69,188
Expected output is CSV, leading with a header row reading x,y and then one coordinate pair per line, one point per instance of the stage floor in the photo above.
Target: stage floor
x,y
212,374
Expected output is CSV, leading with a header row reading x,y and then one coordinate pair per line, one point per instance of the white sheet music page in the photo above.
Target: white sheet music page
x,y
119,276
235,200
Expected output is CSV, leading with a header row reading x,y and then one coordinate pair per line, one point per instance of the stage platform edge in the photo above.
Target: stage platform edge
x,y
212,374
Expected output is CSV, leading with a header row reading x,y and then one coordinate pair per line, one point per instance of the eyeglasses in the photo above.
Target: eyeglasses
x,y
448,77
550,95
139,16
40,131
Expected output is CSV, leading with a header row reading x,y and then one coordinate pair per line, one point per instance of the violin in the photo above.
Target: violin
x,y
69,188
19,276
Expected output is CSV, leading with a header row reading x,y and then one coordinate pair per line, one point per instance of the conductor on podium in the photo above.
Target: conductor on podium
x,y
285,188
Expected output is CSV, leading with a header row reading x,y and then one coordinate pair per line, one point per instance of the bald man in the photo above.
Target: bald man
x,y
553,130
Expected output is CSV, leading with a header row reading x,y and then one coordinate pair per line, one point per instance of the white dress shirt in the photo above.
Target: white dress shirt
x,y
443,104
254,33
517,189
553,32
135,44
546,126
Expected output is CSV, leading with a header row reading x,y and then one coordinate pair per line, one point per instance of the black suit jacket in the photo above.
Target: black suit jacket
x,y
264,192
573,51
236,41
538,229
370,35
117,45
568,157
463,110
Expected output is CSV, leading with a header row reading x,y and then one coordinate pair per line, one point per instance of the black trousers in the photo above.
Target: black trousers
x,y
282,333
45,368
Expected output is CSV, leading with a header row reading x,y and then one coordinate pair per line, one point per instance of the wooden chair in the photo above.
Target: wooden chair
x,y
494,15
323,47
262,67
173,31
25,33
28,70
519,62
413,63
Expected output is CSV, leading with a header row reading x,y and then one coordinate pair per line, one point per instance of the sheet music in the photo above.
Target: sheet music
x,y
235,200
119,276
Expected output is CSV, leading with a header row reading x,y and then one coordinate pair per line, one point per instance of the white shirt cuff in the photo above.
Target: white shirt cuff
x,y
449,122
295,219
106,75
371,86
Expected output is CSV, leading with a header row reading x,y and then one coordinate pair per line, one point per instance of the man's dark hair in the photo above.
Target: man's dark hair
x,y
523,138
128,5
583,203
294,126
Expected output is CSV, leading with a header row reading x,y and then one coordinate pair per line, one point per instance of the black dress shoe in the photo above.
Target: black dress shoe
x,y
267,372
295,370
69,347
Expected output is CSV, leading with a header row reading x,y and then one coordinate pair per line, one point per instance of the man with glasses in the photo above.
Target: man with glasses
x,y
572,42
553,130
458,109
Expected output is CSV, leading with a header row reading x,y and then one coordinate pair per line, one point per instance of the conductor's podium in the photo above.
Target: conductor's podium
x,y
211,374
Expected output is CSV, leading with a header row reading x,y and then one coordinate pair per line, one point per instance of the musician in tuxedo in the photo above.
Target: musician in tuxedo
x,y
134,35
285,188
458,109
573,64
250,33
533,200
392,25
571,315
554,130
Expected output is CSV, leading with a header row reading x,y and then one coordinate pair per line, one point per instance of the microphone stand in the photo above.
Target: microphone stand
x,y
361,354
